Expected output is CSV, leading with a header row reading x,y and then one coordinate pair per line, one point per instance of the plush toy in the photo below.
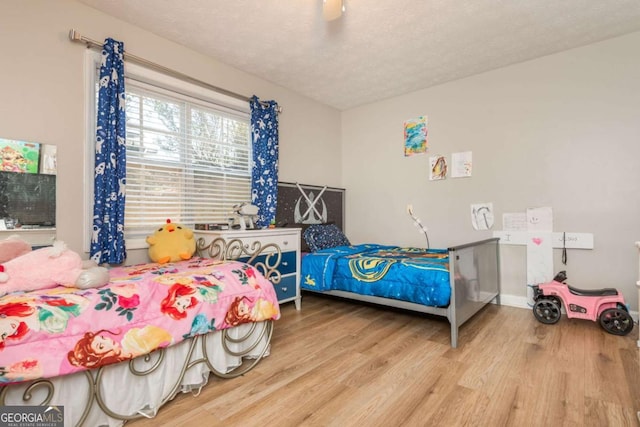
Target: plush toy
x,y
12,247
48,267
171,243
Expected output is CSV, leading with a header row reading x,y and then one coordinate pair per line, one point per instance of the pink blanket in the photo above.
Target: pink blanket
x,y
59,331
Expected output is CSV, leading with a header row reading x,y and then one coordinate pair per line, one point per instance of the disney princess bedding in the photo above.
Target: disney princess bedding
x,y
407,274
144,307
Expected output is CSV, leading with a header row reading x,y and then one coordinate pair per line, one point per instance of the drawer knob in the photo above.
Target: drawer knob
x,y
285,243
285,263
284,289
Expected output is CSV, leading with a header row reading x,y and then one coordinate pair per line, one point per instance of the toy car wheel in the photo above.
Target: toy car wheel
x,y
547,311
616,321
556,300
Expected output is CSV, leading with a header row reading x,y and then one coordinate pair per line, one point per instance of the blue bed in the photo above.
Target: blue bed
x,y
407,274
455,282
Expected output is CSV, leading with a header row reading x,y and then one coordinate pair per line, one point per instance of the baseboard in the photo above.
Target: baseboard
x,y
513,301
522,302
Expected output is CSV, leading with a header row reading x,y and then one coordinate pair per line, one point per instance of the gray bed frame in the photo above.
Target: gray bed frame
x,y
474,274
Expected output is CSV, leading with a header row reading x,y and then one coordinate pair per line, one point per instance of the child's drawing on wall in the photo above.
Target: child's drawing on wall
x,y
415,136
461,164
438,168
482,216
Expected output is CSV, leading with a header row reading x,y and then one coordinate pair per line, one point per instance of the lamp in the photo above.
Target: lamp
x,y
332,9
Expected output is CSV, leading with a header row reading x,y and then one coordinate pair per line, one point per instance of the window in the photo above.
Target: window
x,y
186,160
188,154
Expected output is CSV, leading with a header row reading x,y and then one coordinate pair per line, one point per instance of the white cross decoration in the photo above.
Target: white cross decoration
x,y
540,247
308,217
311,203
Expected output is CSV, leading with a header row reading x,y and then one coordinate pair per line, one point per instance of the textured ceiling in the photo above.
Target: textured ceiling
x,y
379,48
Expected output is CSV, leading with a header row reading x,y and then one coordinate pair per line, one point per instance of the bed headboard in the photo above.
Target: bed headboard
x,y
301,205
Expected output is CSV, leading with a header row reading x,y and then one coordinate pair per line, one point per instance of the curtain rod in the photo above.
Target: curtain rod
x,y
77,37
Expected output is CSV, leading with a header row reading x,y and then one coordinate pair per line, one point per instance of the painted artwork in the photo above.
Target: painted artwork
x,y
415,136
438,166
19,156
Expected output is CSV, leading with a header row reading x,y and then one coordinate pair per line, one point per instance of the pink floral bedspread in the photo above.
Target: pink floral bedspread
x,y
63,330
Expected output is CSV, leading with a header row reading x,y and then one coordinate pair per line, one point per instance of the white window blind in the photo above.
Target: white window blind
x,y
188,160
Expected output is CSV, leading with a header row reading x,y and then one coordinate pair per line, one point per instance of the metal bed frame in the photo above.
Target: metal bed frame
x,y
248,342
474,275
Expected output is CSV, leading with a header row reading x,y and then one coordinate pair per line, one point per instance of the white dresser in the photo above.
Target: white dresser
x,y
287,239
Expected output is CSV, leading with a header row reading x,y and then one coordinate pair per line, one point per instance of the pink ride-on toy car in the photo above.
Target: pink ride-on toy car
x,y
606,305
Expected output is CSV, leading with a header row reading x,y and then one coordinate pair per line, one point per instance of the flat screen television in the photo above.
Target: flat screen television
x,y
28,198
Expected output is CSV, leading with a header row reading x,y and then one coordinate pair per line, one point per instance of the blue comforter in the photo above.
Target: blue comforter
x,y
408,274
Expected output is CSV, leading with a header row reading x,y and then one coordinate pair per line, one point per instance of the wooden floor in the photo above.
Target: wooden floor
x,y
338,363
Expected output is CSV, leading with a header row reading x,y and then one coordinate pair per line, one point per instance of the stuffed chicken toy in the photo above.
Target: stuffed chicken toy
x,y
49,267
171,243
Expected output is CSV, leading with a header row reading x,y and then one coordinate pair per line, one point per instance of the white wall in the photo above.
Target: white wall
x,y
560,131
42,98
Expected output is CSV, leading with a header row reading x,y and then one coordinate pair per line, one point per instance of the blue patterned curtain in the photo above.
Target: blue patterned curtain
x,y
107,241
264,175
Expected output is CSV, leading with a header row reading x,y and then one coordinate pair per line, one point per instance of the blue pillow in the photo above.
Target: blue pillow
x,y
324,236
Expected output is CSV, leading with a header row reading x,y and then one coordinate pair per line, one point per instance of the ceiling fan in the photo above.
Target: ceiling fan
x,y
332,9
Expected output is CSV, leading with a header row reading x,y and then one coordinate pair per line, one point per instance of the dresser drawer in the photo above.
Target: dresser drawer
x,y
286,288
285,243
287,262
286,239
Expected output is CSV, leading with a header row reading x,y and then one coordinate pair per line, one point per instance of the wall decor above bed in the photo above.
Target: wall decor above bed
x,y
302,205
